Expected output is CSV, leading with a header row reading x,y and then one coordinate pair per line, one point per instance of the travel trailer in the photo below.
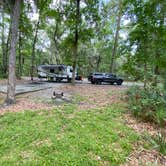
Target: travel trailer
x,y
55,72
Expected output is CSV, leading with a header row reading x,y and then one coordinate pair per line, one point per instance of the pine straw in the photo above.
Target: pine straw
x,y
145,157
140,126
25,105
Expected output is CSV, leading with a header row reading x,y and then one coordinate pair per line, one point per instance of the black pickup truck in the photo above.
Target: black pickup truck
x,y
98,78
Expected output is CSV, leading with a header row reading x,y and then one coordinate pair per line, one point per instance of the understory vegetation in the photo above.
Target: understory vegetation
x,y
150,105
65,136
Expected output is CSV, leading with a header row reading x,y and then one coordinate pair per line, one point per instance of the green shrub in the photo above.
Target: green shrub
x,y
149,104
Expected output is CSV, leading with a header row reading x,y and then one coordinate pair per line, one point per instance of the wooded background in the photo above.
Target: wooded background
x,y
127,37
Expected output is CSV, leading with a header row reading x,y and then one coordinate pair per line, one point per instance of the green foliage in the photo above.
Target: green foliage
x,y
149,104
146,41
65,137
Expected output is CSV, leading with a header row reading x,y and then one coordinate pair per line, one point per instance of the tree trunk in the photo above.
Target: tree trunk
x,y
75,48
19,57
12,56
4,45
156,69
33,50
7,45
98,63
114,50
145,74
55,42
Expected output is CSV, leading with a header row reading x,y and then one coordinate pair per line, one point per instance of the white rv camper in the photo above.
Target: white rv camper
x,y
55,72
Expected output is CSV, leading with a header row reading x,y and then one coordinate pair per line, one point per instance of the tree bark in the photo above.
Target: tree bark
x,y
75,47
114,50
12,56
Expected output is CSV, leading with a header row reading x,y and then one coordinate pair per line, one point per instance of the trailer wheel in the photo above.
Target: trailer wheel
x,y
58,80
51,79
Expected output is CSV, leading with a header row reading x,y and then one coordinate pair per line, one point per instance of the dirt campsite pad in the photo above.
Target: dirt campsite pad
x,y
27,87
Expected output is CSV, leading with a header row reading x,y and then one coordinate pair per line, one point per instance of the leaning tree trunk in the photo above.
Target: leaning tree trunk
x,y
114,50
75,48
12,56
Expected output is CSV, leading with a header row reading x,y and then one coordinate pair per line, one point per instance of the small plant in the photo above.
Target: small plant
x,y
158,142
161,117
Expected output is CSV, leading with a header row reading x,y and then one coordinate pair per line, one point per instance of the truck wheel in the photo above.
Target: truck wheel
x,y
119,83
98,82
92,82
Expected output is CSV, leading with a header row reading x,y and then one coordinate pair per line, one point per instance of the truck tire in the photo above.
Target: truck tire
x,y
119,82
98,82
92,82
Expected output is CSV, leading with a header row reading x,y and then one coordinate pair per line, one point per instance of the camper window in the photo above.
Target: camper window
x,y
51,70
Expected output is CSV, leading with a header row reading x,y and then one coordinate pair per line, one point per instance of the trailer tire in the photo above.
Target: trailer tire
x,y
69,80
58,80
50,79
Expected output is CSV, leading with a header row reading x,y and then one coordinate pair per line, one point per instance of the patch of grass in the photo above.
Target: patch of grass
x,y
65,137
